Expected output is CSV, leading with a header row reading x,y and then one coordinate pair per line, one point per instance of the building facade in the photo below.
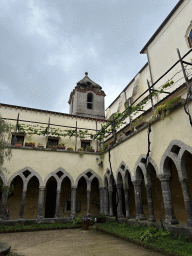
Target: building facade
x,y
56,183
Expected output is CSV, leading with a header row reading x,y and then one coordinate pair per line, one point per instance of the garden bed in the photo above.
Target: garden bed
x,y
150,238
37,227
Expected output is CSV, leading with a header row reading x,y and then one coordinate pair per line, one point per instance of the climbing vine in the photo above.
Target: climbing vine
x,y
114,123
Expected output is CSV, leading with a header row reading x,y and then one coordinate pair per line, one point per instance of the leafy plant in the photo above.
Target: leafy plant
x,y
77,220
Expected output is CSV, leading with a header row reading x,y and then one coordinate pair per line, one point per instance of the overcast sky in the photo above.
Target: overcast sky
x,y
47,46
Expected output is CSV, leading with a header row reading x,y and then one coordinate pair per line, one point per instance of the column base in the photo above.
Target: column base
x,y
120,216
88,214
189,223
152,219
141,217
20,218
38,218
128,216
72,215
56,217
171,221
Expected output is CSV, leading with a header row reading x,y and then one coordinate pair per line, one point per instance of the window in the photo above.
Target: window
x,y
190,38
52,142
19,138
90,101
84,144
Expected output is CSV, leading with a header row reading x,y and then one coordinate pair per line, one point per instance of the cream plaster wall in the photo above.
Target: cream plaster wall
x,y
141,83
59,119
162,50
174,127
45,162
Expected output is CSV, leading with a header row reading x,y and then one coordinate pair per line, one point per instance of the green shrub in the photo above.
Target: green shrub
x,y
77,220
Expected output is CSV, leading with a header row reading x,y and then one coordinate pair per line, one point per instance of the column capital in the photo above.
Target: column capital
x,y
58,191
73,188
41,188
88,191
183,179
136,182
24,191
164,177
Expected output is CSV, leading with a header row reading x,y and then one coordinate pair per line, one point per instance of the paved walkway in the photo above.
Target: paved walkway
x,y
73,242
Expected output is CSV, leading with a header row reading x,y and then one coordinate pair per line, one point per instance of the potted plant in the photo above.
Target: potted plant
x,y
54,148
40,145
90,149
127,133
85,222
80,151
61,146
19,144
70,149
30,144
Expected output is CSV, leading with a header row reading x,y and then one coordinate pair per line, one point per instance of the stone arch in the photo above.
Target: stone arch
x,y
120,175
174,151
25,180
88,179
53,174
4,180
173,162
140,163
63,176
182,158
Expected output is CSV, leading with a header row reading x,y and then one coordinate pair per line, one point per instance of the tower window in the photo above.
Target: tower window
x,y
90,101
190,38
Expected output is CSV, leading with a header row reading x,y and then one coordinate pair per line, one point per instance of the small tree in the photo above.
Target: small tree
x,y
5,153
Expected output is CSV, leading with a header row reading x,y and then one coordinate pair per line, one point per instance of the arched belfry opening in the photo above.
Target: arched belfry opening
x,y
87,99
90,101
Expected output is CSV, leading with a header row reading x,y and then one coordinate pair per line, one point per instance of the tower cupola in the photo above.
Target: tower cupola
x,y
87,99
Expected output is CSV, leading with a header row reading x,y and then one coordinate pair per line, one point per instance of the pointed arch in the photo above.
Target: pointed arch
x,y
174,151
89,179
65,174
2,176
26,179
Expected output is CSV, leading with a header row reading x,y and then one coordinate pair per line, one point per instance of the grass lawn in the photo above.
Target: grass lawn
x,y
158,238
39,226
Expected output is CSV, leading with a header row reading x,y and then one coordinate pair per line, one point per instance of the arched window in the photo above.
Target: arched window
x,y
190,38
90,101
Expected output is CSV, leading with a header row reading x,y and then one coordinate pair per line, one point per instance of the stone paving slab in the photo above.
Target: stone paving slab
x,y
73,242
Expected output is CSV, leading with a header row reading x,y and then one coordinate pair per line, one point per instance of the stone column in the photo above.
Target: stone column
x,y
119,208
22,206
110,203
187,200
106,195
169,212
127,203
88,202
138,200
40,203
101,210
73,201
3,203
57,204
150,203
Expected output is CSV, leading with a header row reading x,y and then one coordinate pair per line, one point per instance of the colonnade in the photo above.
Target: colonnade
x,y
167,200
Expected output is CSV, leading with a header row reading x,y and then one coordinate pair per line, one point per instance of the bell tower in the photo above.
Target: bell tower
x,y
87,99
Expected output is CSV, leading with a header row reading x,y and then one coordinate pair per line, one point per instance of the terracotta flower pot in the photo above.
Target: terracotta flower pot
x,y
85,224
